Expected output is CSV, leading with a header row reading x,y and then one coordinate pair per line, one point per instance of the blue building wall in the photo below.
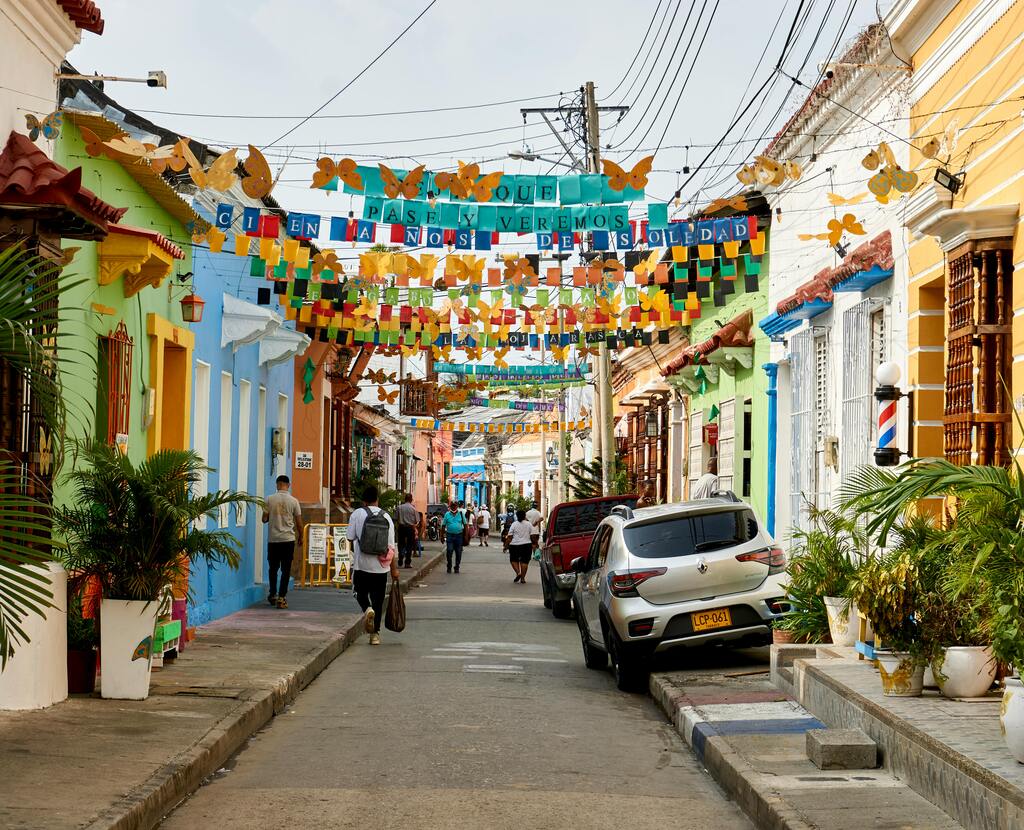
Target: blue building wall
x,y
220,591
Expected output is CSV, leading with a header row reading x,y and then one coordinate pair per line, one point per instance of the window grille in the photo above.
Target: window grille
x,y
117,348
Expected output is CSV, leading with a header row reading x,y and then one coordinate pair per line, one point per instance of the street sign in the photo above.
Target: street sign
x,y
303,460
316,545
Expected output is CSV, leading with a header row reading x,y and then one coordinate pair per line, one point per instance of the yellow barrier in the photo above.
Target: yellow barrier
x,y
321,562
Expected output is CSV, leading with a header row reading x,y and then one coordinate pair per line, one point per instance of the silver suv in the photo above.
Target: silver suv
x,y
701,572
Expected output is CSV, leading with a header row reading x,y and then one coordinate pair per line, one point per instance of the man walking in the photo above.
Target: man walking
x,y
372,534
408,520
284,515
483,524
454,523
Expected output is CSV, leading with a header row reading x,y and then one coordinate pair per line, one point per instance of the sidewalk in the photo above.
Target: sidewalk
x,y
99,764
751,737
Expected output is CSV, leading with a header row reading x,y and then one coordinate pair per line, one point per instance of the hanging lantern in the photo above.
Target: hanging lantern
x,y
653,429
192,308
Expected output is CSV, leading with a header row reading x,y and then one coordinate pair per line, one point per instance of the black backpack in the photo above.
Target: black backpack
x,y
373,541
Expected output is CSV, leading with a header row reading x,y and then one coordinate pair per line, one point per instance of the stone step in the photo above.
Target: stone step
x,y
841,749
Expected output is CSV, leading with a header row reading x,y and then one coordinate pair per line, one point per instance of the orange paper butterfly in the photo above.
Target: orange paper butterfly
x,y
409,187
619,179
327,170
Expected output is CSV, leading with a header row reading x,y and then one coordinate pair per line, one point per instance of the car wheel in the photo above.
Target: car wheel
x,y
594,657
630,673
545,590
561,608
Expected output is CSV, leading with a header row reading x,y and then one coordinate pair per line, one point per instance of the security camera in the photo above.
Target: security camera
x,y
157,78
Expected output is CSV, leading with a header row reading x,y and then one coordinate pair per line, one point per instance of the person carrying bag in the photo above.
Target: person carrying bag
x,y
394,618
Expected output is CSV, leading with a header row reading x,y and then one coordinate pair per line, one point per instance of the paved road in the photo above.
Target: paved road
x,y
480,715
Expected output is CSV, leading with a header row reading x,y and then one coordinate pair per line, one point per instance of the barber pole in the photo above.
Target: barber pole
x,y
887,454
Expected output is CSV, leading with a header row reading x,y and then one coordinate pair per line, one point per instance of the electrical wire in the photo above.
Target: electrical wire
x,y
360,74
639,51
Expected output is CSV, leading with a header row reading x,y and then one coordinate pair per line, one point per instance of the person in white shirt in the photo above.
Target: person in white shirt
x,y
483,524
522,539
369,572
534,516
707,483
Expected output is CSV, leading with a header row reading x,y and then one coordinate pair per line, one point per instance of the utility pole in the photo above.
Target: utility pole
x,y
603,415
605,424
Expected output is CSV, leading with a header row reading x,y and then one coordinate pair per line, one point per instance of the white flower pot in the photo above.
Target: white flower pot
x,y
126,648
37,675
1011,717
842,620
901,677
965,671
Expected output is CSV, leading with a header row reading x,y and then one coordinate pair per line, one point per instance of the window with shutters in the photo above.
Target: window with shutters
x,y
114,387
864,347
748,445
821,424
801,480
727,444
696,456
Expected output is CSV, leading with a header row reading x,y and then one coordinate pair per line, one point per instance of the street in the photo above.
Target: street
x,y
480,714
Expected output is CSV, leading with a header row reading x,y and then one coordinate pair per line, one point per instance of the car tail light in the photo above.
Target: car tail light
x,y
641,628
625,583
774,558
555,552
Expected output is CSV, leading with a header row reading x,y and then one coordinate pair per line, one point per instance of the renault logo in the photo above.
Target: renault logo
x,y
702,566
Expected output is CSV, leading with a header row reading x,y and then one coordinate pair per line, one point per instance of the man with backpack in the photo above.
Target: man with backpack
x,y
372,534
454,523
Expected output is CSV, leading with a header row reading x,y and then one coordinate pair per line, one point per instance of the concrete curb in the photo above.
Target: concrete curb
x,y
732,773
146,805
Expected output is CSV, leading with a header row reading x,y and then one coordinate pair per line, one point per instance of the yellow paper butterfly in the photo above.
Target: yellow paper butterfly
x,y
169,157
499,357
646,266
945,146
327,260
441,352
840,201
654,300
409,187
387,397
880,157
219,176
619,179
469,267
345,169
892,178
847,223
259,182
737,203
49,126
410,350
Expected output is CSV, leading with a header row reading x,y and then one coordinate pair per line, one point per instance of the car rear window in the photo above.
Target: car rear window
x,y
688,535
584,518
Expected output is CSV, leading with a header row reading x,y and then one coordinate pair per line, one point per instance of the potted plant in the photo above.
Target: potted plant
x,y
83,640
822,563
132,530
886,590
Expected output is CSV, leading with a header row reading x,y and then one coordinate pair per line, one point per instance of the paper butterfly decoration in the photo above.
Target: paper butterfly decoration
x,y
259,182
880,157
892,178
49,126
410,350
327,260
213,236
737,203
409,187
836,227
768,171
387,397
473,353
517,267
946,145
619,179
379,376
441,353
143,650
499,357
840,201
646,266
559,352
345,169
469,182
219,176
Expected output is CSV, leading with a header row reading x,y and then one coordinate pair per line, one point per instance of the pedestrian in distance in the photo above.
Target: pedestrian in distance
x,y
536,518
408,521
707,483
454,523
470,516
284,516
521,542
421,532
483,525
506,526
372,534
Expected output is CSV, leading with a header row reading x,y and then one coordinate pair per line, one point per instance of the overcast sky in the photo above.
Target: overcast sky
x,y
270,58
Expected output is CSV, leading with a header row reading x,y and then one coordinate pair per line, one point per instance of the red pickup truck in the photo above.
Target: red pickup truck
x,y
570,528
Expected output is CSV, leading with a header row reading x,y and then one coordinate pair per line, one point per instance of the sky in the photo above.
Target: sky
x,y
268,58
247,73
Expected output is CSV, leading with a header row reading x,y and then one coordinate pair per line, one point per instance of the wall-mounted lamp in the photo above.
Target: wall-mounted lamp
x,y
192,308
156,78
652,428
951,181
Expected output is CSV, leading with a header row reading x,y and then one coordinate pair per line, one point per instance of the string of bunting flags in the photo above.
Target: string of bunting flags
x,y
467,426
521,406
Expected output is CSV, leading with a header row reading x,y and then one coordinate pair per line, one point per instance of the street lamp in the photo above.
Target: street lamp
x,y
551,456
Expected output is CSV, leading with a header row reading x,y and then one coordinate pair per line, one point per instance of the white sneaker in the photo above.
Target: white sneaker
x,y
375,639
368,621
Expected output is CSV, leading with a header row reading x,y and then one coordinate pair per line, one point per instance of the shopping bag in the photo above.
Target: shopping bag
x,y
394,616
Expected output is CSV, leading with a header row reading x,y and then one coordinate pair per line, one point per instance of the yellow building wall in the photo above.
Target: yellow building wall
x,y
982,93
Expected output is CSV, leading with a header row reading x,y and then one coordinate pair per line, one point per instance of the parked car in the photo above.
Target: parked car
x,y
701,572
570,528
436,510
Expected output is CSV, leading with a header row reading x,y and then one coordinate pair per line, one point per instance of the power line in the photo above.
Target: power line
x,y
362,72
639,50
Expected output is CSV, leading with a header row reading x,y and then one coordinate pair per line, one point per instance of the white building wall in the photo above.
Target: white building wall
x,y
880,97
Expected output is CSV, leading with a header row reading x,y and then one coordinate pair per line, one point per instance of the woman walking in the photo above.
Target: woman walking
x,y
522,539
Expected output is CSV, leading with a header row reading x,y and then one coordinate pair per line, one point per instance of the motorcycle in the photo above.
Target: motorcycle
x,y
434,528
